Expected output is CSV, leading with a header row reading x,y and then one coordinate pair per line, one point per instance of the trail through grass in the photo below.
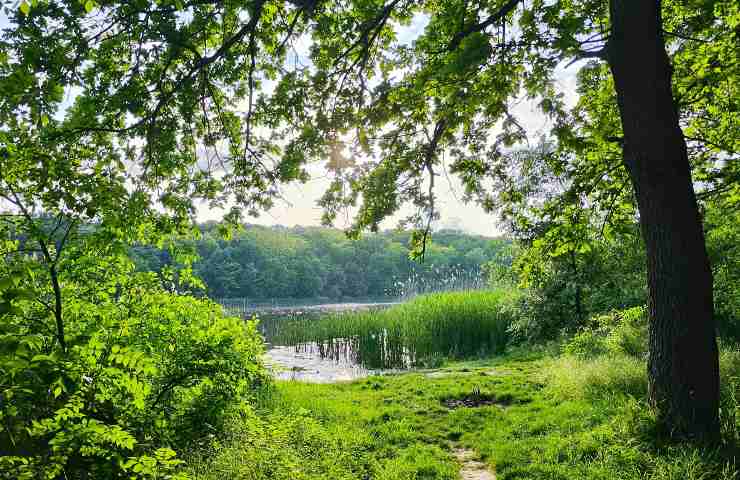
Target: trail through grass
x,y
548,418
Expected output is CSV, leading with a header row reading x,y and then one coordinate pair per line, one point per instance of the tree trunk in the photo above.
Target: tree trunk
x,y
683,364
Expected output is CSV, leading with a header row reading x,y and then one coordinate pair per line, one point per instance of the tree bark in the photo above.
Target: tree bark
x,y
683,361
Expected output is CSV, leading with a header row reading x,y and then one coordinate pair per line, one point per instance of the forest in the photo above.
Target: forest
x,y
598,336
263,263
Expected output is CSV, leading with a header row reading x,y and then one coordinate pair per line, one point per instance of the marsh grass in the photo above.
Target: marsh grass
x,y
421,332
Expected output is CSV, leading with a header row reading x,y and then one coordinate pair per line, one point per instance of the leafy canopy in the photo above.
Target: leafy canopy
x,y
114,108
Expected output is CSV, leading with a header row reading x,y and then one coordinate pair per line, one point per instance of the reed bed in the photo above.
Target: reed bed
x,y
421,332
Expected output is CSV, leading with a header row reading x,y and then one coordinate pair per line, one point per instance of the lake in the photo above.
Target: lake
x,y
308,362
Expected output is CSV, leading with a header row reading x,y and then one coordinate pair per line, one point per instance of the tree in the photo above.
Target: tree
x,y
214,104
451,88
683,364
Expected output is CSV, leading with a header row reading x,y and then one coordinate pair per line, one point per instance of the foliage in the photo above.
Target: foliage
x,y
573,259
422,331
230,100
144,373
310,262
576,264
122,116
722,223
565,288
622,332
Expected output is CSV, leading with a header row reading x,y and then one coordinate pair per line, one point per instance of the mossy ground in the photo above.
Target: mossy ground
x,y
538,418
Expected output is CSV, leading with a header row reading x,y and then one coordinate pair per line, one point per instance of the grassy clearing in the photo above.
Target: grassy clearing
x,y
544,418
424,331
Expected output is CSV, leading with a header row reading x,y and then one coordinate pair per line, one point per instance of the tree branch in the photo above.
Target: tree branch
x,y
478,27
584,54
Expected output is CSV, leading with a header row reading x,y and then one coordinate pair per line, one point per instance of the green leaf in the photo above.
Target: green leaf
x,y
42,358
89,6
24,7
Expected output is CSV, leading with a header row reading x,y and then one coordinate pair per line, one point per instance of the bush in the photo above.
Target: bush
x,y
532,324
723,247
587,343
145,375
618,332
568,283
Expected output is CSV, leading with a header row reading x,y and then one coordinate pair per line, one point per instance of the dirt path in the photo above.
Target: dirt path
x,y
472,469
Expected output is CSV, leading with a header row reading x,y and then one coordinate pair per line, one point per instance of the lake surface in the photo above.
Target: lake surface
x,y
320,308
304,363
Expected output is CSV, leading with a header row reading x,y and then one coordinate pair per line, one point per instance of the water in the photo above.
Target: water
x,y
305,363
323,308
310,362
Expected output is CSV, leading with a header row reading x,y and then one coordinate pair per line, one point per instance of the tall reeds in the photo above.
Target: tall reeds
x,y
422,331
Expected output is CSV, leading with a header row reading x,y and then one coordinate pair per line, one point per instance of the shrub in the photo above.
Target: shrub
x,y
532,324
618,332
145,374
629,332
568,282
587,343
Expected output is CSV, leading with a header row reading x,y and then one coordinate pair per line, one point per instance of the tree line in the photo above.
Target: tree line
x,y
316,262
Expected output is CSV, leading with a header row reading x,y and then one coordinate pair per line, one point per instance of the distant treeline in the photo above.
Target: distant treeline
x,y
310,262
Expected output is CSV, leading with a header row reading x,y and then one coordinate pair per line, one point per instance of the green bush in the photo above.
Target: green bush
x,y
532,323
587,343
145,375
722,223
617,332
567,283
629,332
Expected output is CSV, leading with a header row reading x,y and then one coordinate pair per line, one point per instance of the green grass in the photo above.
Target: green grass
x,y
551,418
423,331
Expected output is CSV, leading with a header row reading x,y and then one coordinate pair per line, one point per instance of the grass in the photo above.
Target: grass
x,y
545,417
424,331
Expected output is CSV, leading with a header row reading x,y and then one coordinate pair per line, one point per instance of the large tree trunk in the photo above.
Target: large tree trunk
x,y
683,365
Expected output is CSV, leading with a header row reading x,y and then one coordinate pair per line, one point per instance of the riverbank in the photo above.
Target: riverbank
x,y
523,416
